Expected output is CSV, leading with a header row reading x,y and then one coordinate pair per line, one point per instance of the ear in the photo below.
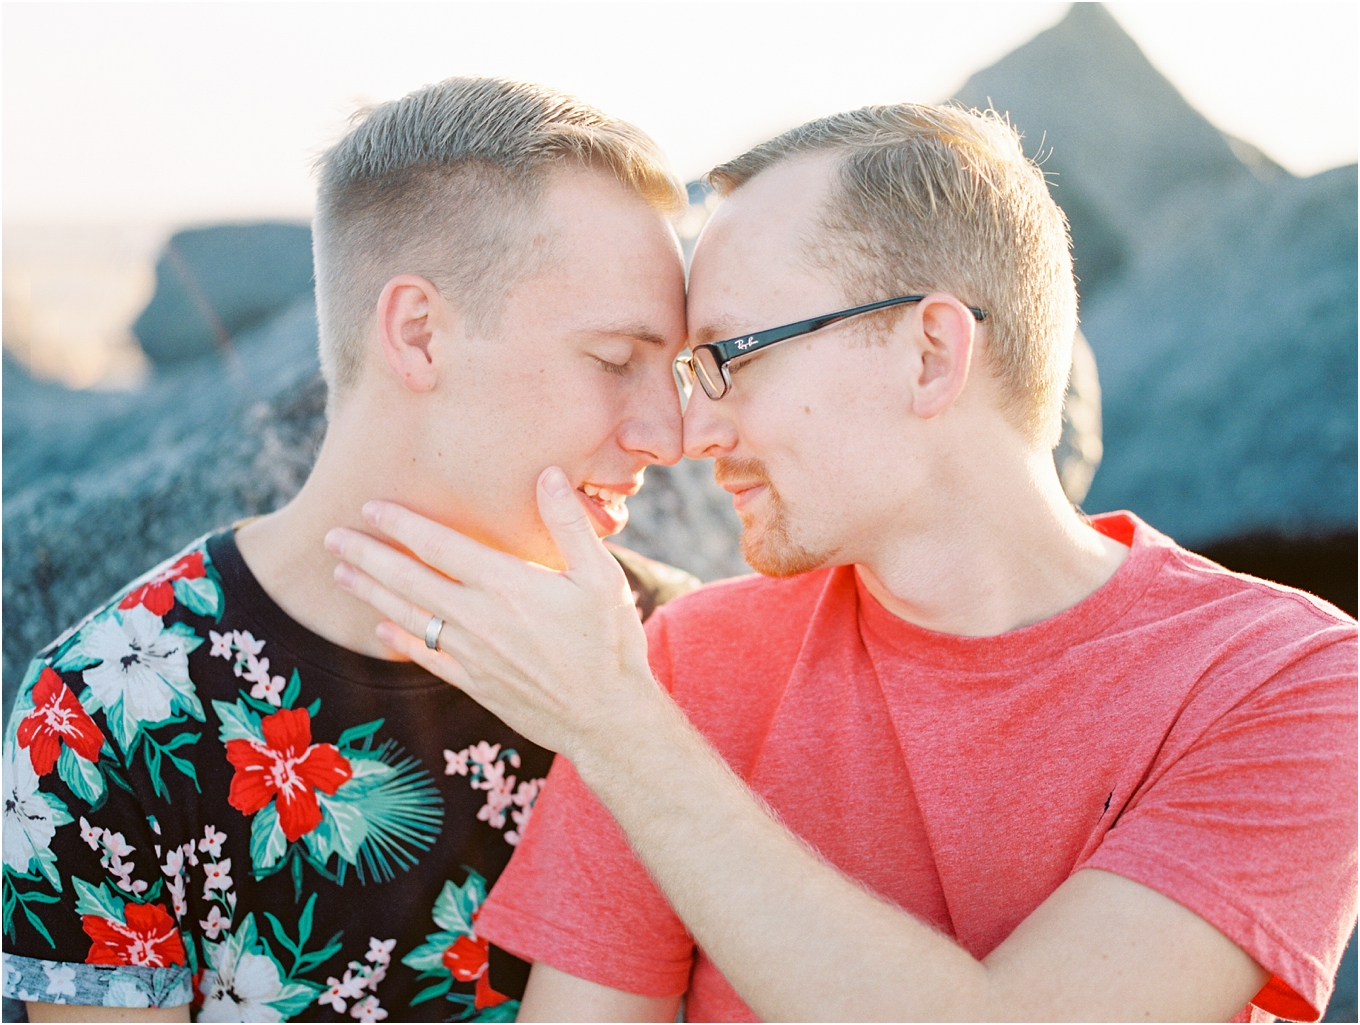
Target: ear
x,y
945,353
410,314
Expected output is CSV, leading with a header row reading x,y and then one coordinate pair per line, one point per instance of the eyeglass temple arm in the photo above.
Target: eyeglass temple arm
x,y
733,348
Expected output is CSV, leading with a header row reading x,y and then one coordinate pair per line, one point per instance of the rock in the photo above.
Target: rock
x,y
212,283
1218,293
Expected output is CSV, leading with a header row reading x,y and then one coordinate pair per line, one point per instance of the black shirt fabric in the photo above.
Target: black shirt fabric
x,y
205,799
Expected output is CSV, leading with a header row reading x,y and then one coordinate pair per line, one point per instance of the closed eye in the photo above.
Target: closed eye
x,y
613,368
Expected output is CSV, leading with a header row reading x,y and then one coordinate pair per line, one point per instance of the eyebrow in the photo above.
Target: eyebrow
x,y
720,329
638,333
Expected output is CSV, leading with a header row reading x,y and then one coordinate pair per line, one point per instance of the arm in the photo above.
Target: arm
x,y
556,996
76,1012
562,659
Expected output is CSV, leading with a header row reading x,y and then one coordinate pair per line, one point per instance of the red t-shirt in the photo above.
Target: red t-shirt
x,y
1185,727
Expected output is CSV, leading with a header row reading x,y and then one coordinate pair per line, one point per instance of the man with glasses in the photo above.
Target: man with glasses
x,y
959,752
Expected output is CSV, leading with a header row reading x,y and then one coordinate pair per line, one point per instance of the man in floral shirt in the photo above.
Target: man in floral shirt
x,y
221,790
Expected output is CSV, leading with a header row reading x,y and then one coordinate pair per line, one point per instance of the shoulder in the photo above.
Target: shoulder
x,y
1201,595
188,578
1234,638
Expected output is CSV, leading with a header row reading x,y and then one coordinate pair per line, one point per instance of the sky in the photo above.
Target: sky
x,y
120,113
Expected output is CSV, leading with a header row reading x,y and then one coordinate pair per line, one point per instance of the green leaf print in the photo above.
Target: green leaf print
x,y
267,839
238,723
99,901
355,734
343,828
16,898
400,805
430,992
291,692
202,596
429,956
84,778
295,997
455,906
23,702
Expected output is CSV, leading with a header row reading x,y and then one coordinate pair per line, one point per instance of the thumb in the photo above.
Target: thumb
x,y
567,521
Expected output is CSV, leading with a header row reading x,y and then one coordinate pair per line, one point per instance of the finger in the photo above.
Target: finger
x,y
397,572
411,617
440,663
569,524
448,551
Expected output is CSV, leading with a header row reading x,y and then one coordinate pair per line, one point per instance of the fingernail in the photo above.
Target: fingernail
x,y
555,482
334,541
344,574
370,511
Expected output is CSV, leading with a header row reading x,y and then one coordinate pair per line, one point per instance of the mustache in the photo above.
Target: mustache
x,y
727,470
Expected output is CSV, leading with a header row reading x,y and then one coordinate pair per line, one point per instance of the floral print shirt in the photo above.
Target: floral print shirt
x,y
206,803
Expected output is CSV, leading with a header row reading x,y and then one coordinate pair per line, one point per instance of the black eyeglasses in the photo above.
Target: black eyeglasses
x,y
708,362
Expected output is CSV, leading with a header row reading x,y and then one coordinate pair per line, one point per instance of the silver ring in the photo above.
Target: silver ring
x,y
432,629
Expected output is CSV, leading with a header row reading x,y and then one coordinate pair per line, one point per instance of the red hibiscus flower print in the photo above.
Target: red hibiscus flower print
x,y
149,938
157,595
56,717
287,765
468,959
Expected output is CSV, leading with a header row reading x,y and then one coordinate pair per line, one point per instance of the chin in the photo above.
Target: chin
x,y
772,553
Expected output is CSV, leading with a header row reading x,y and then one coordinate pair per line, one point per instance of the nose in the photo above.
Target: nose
x,y
652,428
708,429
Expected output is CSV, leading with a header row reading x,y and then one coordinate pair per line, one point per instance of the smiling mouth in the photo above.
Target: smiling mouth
x,y
612,501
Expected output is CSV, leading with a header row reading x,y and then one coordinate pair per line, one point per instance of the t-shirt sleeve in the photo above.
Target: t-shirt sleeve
x,y
1253,827
88,916
576,898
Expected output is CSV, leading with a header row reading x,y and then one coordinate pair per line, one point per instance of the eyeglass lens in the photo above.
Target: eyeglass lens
x,y
709,373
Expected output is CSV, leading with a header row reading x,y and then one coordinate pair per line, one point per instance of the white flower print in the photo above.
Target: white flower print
x,y
333,996
140,661
215,923
456,762
61,981
217,877
380,951
212,841
92,835
358,978
247,643
29,821
221,644
116,845
368,1010
487,772
352,987
174,862
239,990
269,690
176,888
484,754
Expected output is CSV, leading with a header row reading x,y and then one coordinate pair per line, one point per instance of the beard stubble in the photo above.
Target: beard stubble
x,y
767,543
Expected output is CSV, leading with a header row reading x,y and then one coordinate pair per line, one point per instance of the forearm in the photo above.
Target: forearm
x,y
793,936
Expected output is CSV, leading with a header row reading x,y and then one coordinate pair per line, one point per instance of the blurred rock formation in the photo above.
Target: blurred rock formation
x,y
212,283
1219,296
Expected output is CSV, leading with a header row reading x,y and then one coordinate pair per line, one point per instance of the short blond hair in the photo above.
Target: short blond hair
x,y
446,183
944,199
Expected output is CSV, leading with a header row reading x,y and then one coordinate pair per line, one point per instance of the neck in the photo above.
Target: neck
x,y
285,549
994,548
